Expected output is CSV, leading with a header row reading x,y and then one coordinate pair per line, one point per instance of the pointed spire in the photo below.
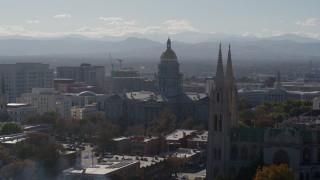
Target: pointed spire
x,y
219,73
229,71
168,43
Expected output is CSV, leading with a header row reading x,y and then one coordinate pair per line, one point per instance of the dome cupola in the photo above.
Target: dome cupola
x,y
168,54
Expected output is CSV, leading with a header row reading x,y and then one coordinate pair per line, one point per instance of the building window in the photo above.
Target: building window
x,y
244,152
234,152
218,97
215,122
306,155
220,122
281,157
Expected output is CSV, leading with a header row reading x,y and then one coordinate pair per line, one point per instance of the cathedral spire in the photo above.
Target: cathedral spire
x,y
219,80
229,71
168,43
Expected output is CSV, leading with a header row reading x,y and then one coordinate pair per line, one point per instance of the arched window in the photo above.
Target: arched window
x,y
234,152
215,153
215,122
218,97
244,152
306,155
220,124
281,157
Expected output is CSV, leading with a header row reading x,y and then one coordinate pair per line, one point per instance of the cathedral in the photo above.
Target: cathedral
x,y
231,148
141,107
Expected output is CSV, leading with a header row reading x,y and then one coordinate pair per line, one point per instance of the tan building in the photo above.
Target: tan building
x,y
84,111
47,99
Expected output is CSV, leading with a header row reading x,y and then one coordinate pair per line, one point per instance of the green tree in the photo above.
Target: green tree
x,y
275,172
10,128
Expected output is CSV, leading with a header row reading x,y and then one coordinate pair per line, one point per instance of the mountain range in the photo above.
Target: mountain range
x,y
188,45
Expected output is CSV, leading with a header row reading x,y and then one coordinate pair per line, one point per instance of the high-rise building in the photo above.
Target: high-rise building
x,y
22,77
91,75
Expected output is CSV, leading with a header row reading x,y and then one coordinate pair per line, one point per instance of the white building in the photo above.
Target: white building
x,y
84,111
22,77
19,111
46,99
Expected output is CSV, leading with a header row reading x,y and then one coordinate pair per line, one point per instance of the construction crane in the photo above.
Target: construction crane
x,y
120,61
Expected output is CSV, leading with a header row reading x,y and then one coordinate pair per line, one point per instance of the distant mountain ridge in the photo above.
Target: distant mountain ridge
x,y
282,47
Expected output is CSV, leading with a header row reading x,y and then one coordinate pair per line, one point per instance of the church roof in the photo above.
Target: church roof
x,y
247,133
181,98
168,53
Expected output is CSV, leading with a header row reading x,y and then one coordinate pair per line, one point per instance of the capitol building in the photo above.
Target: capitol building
x,y
141,107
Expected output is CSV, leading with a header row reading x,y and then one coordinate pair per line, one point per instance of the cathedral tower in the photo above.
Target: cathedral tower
x,y
169,77
222,115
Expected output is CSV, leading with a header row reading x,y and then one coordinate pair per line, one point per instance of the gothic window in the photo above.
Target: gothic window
x,y
244,152
215,122
281,157
306,155
218,97
234,152
220,122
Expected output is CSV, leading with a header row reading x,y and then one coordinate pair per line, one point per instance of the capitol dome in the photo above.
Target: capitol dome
x,y
168,54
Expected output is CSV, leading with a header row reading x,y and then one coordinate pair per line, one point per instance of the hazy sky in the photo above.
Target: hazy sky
x,y
98,18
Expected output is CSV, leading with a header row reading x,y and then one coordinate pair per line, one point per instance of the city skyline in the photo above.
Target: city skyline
x,y
122,18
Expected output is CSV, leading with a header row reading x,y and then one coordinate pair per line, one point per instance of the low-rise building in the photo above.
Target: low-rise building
x,y
122,145
84,111
19,111
151,168
198,141
112,169
178,139
146,145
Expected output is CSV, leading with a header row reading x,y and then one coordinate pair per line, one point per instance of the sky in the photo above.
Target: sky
x,y
99,18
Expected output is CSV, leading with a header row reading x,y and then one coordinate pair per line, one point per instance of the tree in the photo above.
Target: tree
x,y
10,128
4,156
19,169
275,172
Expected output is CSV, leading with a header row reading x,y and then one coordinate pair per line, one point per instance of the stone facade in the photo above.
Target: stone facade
x,y
231,148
